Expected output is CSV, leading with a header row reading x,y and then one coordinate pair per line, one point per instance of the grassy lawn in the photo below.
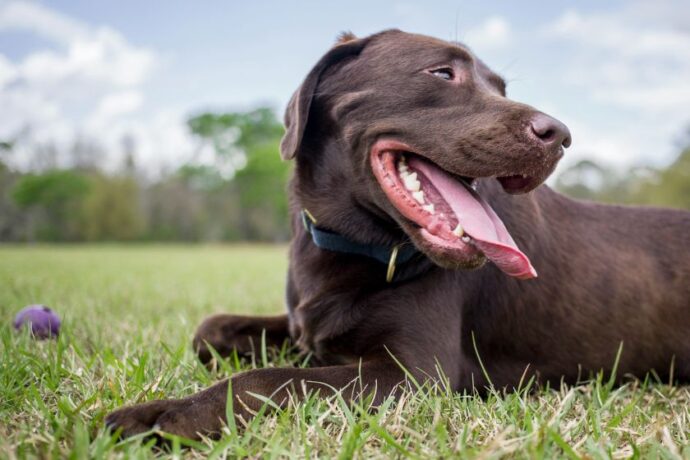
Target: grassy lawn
x,y
129,313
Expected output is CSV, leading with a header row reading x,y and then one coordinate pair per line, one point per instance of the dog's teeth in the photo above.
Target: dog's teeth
x,y
402,167
411,183
474,184
429,208
458,231
419,196
465,239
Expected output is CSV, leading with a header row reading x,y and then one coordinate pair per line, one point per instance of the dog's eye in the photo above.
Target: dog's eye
x,y
445,72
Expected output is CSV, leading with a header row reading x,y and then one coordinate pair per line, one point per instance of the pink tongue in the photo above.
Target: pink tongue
x,y
479,221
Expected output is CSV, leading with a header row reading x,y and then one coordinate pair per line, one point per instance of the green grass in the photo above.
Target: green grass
x,y
129,313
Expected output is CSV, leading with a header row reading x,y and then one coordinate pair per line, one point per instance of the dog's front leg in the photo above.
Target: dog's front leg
x,y
244,334
204,413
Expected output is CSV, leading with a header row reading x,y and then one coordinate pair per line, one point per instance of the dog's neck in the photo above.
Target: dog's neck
x,y
393,258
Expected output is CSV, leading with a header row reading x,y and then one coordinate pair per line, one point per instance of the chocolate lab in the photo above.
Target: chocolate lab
x,y
424,243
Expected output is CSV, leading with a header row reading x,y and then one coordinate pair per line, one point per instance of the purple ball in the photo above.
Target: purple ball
x,y
43,321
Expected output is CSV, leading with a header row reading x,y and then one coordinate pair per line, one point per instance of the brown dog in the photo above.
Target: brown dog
x,y
379,120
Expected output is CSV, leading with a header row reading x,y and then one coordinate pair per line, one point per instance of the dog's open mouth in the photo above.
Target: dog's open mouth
x,y
452,217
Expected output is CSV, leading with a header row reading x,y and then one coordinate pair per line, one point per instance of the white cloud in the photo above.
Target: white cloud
x,y
631,67
23,104
33,17
7,71
493,33
119,103
627,62
161,140
103,56
89,83
615,147
620,34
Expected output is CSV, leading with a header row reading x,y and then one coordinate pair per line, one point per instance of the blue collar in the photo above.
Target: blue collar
x,y
390,256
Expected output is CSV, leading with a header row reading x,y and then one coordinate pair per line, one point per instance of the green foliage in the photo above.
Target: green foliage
x,y
201,177
262,189
239,197
69,205
12,218
111,210
668,187
54,198
251,140
178,211
230,130
53,189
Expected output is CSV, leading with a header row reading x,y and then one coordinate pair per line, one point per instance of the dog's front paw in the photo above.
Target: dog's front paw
x,y
190,418
133,420
226,333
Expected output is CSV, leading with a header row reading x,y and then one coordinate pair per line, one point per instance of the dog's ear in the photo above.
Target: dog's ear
x,y
297,112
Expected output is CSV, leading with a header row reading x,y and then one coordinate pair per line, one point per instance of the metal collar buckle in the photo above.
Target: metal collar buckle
x,y
335,242
391,264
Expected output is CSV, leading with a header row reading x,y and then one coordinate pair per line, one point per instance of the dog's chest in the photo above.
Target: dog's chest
x,y
329,331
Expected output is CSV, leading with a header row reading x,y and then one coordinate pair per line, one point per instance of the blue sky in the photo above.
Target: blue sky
x,y
618,73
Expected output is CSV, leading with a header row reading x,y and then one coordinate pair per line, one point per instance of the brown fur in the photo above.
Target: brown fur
x,y
608,274
345,37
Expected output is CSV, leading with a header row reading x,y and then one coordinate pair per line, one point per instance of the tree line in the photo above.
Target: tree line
x,y
240,197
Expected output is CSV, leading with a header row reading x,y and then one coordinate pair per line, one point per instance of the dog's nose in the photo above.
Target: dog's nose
x,y
550,131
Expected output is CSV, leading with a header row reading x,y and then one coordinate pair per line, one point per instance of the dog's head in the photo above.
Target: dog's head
x,y
394,130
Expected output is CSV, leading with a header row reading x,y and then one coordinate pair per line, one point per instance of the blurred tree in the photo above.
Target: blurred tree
x,y
201,177
111,210
246,147
228,131
128,147
13,220
44,157
175,211
589,180
85,154
583,180
54,199
669,187
262,186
